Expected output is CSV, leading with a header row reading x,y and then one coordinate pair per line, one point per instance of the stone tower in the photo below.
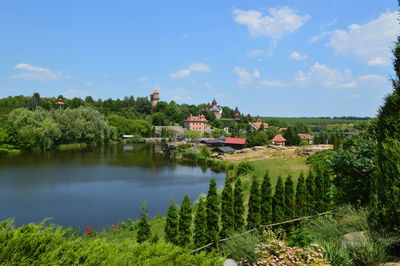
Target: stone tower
x,y
154,98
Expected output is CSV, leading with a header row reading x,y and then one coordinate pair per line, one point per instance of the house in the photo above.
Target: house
x,y
154,98
278,140
281,129
235,143
215,109
306,137
255,126
213,142
196,123
236,114
224,149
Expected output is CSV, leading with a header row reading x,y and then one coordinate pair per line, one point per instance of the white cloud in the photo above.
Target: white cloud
x,y
208,85
270,83
324,76
75,93
245,77
297,56
143,78
38,73
278,23
371,42
195,67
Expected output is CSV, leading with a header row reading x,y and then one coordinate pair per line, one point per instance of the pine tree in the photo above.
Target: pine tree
x,y
200,225
301,196
289,198
171,225
227,210
143,231
385,199
310,190
266,200
213,212
238,206
278,202
185,221
254,212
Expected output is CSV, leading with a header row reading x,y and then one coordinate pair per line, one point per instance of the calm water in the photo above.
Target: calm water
x,y
98,186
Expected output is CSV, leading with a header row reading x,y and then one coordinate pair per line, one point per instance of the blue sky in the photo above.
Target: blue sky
x,y
271,58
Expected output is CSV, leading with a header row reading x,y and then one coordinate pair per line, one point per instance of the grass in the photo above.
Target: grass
x,y
72,146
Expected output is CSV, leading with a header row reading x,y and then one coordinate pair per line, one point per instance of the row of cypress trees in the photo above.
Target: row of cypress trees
x,y
217,216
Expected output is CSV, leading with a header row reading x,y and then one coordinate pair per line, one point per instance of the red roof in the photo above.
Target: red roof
x,y
257,125
278,138
155,92
305,136
59,102
235,141
200,118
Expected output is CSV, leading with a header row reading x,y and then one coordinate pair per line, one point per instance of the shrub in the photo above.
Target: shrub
x,y
244,168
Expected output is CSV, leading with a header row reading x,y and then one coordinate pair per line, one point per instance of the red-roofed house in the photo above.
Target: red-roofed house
x,y
236,143
196,123
278,140
257,125
306,137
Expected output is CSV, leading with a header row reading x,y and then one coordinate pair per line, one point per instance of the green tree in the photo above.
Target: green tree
x,y
200,225
310,186
171,224
143,227
238,206
254,215
266,200
213,212
185,221
289,198
301,196
291,136
227,209
278,202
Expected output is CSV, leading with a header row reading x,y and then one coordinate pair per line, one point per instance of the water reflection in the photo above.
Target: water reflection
x,y
97,186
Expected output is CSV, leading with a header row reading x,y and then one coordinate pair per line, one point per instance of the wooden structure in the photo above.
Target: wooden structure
x,y
235,143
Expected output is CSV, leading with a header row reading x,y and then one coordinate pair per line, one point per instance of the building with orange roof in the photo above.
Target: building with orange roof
x,y
278,140
215,109
307,137
255,126
196,123
154,98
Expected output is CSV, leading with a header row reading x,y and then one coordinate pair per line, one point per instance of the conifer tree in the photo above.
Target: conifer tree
x,y
238,206
301,196
227,210
254,212
289,198
185,221
213,212
171,225
143,231
310,190
266,200
200,225
385,200
278,202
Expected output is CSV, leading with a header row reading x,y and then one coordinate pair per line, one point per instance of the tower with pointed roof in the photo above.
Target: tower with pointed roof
x,y
154,98
236,114
215,109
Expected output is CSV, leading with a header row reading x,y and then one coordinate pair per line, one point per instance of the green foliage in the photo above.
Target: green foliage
x,y
171,225
278,202
266,200
205,152
192,134
143,227
244,168
311,192
291,136
238,206
127,126
254,211
289,207
200,225
213,212
301,196
185,221
227,209
40,245
258,139
242,247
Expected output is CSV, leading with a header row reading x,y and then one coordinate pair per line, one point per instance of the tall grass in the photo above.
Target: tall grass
x,y
37,244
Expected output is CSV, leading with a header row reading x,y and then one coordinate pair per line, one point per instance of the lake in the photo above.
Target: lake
x,y
97,186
